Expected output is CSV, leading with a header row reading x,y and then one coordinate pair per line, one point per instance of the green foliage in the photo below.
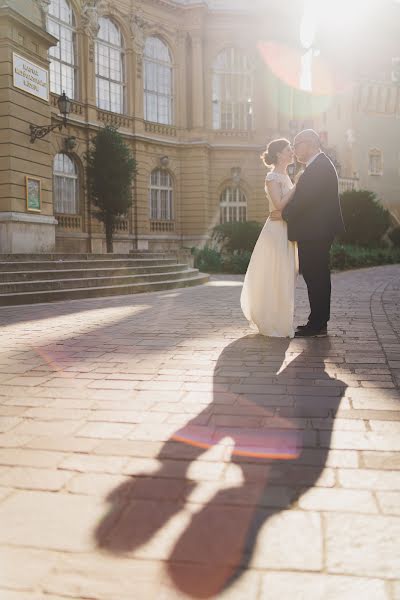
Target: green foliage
x,y
110,170
237,236
365,218
352,257
394,236
237,263
207,260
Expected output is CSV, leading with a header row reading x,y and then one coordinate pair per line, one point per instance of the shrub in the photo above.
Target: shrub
x,y
394,236
207,260
237,236
364,217
352,257
237,263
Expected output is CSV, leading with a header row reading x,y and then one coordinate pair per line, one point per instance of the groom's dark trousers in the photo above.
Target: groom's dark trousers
x,y
314,265
314,217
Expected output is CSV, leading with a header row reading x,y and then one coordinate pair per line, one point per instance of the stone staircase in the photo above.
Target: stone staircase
x,y
32,278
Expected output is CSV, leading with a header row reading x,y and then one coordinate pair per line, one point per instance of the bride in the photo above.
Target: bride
x,y
267,298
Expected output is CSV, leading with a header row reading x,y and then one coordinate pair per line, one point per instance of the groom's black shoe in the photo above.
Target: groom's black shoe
x,y
300,327
308,331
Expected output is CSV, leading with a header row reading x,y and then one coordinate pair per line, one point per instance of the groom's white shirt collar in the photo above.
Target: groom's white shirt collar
x,y
308,163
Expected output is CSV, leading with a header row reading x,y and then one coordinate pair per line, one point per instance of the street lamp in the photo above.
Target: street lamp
x,y
40,131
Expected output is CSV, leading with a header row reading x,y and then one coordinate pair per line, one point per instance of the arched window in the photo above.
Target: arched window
x,y
65,185
158,96
161,196
61,24
109,67
232,205
232,90
375,162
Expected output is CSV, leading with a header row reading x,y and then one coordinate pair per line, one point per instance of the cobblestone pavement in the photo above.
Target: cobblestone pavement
x,y
152,448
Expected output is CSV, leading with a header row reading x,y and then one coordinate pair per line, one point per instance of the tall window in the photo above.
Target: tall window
x,y
65,185
161,196
158,96
61,24
232,93
233,205
375,162
109,67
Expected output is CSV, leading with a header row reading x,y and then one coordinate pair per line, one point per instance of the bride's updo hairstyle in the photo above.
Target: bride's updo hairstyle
x,y
270,156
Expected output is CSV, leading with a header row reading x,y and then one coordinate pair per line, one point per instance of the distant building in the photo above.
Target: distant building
x,y
195,89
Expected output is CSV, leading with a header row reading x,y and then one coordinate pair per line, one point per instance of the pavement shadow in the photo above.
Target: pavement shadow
x,y
267,428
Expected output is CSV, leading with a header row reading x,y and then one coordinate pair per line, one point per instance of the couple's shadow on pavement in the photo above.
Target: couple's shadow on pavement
x,y
273,423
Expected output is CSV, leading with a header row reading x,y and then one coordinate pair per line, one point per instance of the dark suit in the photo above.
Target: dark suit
x,y
314,218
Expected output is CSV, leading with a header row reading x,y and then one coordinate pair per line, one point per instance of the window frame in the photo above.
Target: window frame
x,y
375,155
71,93
66,177
155,190
159,66
236,205
230,111
100,42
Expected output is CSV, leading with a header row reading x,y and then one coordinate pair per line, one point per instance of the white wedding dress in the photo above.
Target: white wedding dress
x,y
267,298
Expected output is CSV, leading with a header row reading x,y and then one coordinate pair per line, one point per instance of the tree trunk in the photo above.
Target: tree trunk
x,y
109,225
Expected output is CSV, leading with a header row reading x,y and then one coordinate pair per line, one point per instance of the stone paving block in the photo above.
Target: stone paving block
x,y
101,430
24,569
35,427
362,545
385,426
95,484
348,440
29,458
389,502
380,460
307,586
8,423
105,578
94,464
289,540
29,478
369,479
128,448
62,444
338,500
53,521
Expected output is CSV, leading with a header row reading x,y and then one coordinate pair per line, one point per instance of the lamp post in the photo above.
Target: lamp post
x,y
40,131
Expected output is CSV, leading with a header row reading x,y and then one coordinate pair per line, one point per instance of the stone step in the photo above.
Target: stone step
x,y
94,292
41,265
82,256
88,272
38,285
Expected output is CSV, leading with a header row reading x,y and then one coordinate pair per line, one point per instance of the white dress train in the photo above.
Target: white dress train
x,y
267,298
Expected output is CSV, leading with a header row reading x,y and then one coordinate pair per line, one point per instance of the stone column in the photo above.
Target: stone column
x,y
88,33
197,80
138,29
180,76
25,226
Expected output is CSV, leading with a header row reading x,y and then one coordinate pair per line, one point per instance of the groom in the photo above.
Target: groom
x,y
313,218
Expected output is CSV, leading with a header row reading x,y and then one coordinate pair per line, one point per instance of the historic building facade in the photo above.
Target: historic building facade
x,y
188,86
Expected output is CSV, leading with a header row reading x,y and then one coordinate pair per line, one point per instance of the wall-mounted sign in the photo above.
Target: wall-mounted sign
x,y
33,200
30,77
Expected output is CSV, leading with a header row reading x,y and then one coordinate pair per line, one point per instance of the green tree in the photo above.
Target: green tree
x,y
110,170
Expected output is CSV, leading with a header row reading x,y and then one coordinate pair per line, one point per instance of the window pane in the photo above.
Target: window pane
x,y
158,85
161,195
60,23
109,67
233,205
232,86
65,185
